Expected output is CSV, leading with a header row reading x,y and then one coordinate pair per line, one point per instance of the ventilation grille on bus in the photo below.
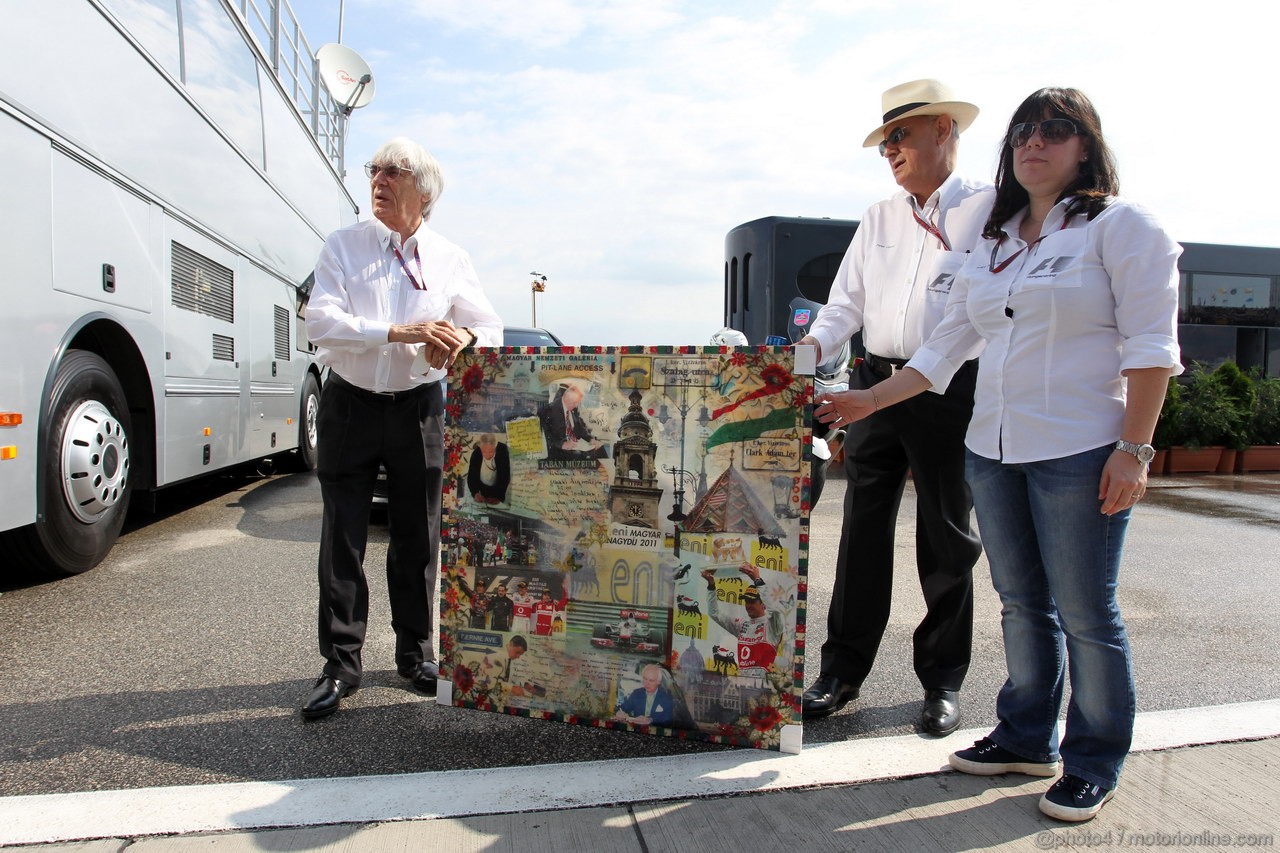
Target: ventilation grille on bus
x,y
201,285
282,334
224,348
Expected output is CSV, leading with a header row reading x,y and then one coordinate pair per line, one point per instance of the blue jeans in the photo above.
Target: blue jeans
x,y
1055,559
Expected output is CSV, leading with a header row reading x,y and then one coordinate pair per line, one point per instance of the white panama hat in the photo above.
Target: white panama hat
x,y
920,98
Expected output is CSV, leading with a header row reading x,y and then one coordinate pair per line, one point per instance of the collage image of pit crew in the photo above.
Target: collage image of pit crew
x,y
624,538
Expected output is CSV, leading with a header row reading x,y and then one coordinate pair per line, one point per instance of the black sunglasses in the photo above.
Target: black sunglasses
x,y
1053,131
392,172
895,138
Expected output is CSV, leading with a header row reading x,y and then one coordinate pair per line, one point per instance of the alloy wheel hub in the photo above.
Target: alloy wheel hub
x,y
95,461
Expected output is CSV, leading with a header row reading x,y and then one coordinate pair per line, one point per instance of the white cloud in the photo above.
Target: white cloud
x,y
545,23
615,147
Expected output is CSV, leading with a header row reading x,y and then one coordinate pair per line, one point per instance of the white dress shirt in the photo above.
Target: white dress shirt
x,y
894,280
1055,329
361,290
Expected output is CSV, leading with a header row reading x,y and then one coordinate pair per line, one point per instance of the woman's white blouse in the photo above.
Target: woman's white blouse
x,y
1056,328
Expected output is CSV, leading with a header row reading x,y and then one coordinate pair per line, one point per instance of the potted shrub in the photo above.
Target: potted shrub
x,y
1239,398
1208,417
1263,453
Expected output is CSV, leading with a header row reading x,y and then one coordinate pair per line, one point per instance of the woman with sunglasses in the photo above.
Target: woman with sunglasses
x,y
1071,299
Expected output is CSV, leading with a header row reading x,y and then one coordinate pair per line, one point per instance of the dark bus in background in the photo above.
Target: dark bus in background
x,y
1228,296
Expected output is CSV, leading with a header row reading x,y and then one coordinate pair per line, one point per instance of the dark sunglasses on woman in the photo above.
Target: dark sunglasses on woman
x,y
1053,131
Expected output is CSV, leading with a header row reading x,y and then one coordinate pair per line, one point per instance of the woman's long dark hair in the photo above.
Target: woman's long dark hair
x,y
1097,181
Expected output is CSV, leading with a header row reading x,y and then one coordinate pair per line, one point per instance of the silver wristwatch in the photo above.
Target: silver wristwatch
x,y
1144,452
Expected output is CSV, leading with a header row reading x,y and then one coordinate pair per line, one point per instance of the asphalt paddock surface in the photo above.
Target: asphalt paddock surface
x,y
182,659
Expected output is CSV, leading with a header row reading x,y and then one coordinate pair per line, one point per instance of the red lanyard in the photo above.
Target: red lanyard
x,y
995,268
932,229
405,267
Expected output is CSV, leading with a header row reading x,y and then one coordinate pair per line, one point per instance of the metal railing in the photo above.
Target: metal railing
x,y
275,28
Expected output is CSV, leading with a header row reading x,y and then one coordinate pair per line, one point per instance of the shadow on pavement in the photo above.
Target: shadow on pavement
x,y
254,733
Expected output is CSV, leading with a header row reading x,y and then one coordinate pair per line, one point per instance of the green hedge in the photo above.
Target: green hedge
x,y
1224,406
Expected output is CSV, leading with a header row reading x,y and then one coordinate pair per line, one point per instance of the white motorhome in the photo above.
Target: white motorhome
x,y
168,172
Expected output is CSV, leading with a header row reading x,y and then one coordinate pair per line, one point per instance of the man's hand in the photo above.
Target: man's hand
x,y
750,571
810,340
709,575
441,340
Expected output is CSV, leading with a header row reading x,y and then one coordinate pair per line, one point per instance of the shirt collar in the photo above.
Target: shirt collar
x,y
1052,222
1058,212
941,197
388,239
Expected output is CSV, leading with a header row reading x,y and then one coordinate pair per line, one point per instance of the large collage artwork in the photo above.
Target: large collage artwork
x,y
625,539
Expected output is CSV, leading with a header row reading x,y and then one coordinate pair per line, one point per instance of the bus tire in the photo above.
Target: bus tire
x,y
85,462
304,458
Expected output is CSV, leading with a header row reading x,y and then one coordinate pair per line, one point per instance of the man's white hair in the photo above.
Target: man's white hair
x,y
404,152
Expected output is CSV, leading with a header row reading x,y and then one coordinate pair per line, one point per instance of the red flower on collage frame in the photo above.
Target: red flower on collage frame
x,y
463,680
764,717
473,379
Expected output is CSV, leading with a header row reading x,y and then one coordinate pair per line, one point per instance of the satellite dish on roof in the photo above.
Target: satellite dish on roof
x,y
345,75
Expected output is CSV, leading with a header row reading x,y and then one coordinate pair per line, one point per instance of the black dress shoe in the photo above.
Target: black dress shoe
x,y
827,695
423,675
325,696
941,714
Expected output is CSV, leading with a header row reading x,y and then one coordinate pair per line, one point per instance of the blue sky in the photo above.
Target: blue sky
x,y
611,144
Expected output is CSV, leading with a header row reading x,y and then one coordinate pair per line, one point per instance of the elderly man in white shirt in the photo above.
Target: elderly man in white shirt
x,y
893,285
393,305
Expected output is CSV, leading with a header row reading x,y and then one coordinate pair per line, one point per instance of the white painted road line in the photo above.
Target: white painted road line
x,y
457,793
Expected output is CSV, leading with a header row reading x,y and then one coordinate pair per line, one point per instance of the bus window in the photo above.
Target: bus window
x,y
222,74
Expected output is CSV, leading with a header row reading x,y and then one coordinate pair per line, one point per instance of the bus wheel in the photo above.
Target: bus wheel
x,y
85,464
304,459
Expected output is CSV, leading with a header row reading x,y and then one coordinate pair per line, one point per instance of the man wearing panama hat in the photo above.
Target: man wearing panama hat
x,y
893,286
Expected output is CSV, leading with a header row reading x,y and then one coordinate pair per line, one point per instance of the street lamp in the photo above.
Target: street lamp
x,y
679,474
782,486
538,285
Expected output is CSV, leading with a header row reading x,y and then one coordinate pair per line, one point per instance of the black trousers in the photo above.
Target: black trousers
x,y
926,435
357,431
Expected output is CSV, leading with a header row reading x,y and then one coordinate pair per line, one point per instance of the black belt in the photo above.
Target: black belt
x,y
382,396
884,367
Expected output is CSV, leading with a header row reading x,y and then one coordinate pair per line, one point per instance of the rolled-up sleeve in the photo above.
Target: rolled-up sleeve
x,y
1141,260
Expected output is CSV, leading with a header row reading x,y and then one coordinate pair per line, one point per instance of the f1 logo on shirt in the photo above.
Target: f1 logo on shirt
x,y
1050,267
942,284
